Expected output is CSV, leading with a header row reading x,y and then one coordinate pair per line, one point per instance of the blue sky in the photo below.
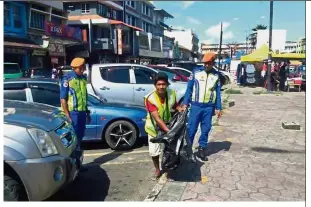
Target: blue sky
x,y
238,18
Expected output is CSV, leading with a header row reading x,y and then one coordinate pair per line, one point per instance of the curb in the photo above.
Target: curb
x,y
156,190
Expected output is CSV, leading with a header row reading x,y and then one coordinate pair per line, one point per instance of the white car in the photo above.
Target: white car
x,y
126,83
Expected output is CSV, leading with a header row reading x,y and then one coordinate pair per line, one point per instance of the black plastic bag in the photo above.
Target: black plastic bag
x,y
176,142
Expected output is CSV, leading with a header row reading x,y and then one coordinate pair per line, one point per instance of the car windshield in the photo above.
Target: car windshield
x,y
11,68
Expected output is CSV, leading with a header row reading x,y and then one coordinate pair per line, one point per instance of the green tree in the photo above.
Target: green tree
x,y
253,36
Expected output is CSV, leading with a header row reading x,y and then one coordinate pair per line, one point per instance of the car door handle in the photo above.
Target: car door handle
x,y
140,89
104,88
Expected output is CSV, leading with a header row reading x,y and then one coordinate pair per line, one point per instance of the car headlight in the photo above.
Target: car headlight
x,y
43,141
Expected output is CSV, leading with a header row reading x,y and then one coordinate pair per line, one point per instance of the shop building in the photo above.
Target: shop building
x,y
17,48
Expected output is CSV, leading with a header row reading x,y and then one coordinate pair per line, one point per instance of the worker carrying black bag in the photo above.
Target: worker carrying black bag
x,y
176,142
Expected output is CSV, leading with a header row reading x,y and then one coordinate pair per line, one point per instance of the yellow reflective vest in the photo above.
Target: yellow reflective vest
x,y
164,110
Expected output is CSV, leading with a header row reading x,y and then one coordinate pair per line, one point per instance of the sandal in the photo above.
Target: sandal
x,y
155,177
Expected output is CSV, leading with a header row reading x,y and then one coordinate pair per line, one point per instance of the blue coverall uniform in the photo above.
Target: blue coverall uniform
x,y
74,89
203,93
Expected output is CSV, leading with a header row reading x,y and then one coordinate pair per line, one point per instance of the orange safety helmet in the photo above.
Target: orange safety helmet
x,y
209,57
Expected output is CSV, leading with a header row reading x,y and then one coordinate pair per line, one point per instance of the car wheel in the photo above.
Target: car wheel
x,y
121,135
13,189
227,80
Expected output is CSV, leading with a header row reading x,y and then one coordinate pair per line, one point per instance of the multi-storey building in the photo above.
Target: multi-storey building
x,y
17,48
109,37
188,40
301,45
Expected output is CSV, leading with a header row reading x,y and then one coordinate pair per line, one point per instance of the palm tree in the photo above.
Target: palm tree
x,y
253,36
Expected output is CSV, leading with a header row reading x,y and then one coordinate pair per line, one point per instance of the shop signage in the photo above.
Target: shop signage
x,y
119,32
39,53
54,60
52,29
12,50
56,49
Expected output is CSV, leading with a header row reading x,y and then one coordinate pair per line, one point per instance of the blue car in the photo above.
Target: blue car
x,y
119,125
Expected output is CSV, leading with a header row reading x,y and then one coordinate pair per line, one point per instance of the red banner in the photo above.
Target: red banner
x,y
52,29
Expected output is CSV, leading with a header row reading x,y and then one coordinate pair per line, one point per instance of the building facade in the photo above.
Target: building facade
x,y
17,48
186,39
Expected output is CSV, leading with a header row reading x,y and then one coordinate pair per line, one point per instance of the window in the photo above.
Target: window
x,y
102,10
146,27
117,74
37,20
144,75
15,91
85,8
71,7
109,15
145,9
114,14
133,21
56,20
46,93
7,18
131,4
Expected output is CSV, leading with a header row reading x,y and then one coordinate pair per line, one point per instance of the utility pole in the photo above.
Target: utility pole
x,y
246,42
220,44
270,44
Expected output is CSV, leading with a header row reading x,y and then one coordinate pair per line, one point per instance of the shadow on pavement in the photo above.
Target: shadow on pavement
x,y
215,147
187,172
273,150
92,185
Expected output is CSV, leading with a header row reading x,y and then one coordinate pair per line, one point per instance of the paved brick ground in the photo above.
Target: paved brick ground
x,y
253,158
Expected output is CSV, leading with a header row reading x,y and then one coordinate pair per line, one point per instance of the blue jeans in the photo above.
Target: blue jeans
x,y
199,115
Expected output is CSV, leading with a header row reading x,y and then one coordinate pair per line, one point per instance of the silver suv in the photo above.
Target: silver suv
x,y
126,83
40,154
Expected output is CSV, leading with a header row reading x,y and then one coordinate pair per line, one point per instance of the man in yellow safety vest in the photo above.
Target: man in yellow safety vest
x,y
159,103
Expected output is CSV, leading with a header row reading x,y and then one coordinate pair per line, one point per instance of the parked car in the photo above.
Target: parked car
x,y
183,71
172,75
40,73
12,70
40,154
126,83
189,65
120,125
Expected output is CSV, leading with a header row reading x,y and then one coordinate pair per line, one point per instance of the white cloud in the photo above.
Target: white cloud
x,y
209,41
262,17
193,20
186,4
213,32
177,27
236,18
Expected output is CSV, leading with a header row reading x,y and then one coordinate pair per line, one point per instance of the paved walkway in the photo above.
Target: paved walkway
x,y
253,158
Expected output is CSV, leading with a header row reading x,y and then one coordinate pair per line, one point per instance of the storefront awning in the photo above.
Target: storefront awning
x,y
122,23
258,55
20,42
290,56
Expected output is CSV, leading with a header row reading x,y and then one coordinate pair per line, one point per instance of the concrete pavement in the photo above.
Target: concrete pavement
x,y
111,176
253,158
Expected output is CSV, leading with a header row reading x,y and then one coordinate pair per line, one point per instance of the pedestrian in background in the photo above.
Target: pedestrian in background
x,y
159,103
203,93
73,95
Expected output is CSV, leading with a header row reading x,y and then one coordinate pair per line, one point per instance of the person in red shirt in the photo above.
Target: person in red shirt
x,y
156,120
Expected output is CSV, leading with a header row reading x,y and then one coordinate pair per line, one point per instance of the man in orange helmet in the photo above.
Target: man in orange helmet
x,y
203,93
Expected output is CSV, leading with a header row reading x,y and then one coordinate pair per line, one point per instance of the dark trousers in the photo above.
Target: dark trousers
x,y
78,123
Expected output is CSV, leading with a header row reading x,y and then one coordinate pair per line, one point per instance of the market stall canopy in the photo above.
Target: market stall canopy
x,y
257,56
290,56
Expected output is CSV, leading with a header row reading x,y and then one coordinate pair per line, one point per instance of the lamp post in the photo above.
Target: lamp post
x,y
270,44
220,44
